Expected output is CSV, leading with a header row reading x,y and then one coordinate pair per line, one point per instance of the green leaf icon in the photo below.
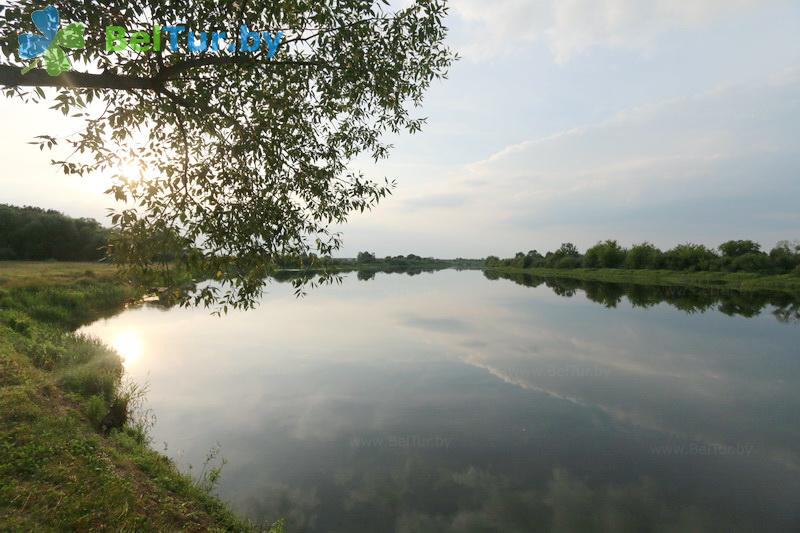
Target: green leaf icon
x,y
56,61
70,36
32,65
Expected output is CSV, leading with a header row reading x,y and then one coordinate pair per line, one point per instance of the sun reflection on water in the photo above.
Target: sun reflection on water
x,y
129,346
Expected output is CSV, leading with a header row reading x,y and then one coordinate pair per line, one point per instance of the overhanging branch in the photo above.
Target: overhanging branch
x,y
176,69
12,76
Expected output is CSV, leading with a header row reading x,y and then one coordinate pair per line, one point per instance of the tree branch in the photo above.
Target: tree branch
x,y
176,69
12,76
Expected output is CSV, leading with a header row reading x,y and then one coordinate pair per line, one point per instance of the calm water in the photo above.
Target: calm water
x,y
452,402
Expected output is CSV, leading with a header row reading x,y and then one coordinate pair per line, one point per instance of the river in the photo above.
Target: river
x,y
450,401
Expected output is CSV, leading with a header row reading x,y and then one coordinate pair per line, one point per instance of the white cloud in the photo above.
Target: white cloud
x,y
573,26
723,161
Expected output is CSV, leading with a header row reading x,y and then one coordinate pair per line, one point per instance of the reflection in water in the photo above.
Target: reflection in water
x,y
128,346
447,402
687,299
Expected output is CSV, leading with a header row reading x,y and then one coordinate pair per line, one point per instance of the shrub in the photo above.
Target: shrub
x,y
567,256
99,377
606,254
81,349
754,262
493,261
568,262
117,415
96,410
785,256
690,257
365,257
643,255
46,355
20,326
739,248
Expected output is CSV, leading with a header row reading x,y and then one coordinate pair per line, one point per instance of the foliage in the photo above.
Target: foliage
x,y
243,157
606,254
689,257
365,257
567,249
784,256
99,377
30,233
739,248
68,305
208,477
493,261
751,262
643,255
737,256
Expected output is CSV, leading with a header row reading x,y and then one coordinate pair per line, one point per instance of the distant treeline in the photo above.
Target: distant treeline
x,y
368,260
34,234
731,256
413,260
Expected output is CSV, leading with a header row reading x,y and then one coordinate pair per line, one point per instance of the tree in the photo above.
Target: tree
x,y
243,156
643,255
568,249
737,248
520,261
493,261
608,254
31,233
751,262
567,256
689,257
785,256
365,257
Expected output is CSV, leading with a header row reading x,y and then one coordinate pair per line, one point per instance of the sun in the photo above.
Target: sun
x,y
129,346
133,171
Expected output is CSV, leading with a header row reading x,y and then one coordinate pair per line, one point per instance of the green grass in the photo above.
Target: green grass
x,y
740,281
40,273
65,462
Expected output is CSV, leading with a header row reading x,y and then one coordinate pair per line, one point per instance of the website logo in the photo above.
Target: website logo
x,y
48,48
118,39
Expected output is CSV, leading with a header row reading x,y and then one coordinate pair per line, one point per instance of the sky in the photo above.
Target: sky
x,y
668,121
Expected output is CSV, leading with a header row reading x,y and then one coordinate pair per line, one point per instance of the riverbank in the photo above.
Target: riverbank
x,y
74,455
740,281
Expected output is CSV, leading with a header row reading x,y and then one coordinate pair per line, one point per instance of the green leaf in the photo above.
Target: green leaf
x,y
30,66
71,36
56,61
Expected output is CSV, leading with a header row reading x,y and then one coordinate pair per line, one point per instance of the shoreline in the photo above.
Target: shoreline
x,y
738,281
76,454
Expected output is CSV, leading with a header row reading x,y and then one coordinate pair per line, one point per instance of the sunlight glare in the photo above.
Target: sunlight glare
x,y
133,172
129,347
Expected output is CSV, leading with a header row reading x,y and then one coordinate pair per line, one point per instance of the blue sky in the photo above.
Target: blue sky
x,y
575,120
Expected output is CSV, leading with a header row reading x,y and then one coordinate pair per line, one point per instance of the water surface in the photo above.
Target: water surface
x,y
453,402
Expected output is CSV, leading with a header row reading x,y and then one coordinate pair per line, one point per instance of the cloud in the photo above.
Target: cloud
x,y
426,324
435,201
654,172
570,27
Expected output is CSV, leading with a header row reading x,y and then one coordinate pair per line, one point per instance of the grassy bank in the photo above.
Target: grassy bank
x,y
71,455
741,281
